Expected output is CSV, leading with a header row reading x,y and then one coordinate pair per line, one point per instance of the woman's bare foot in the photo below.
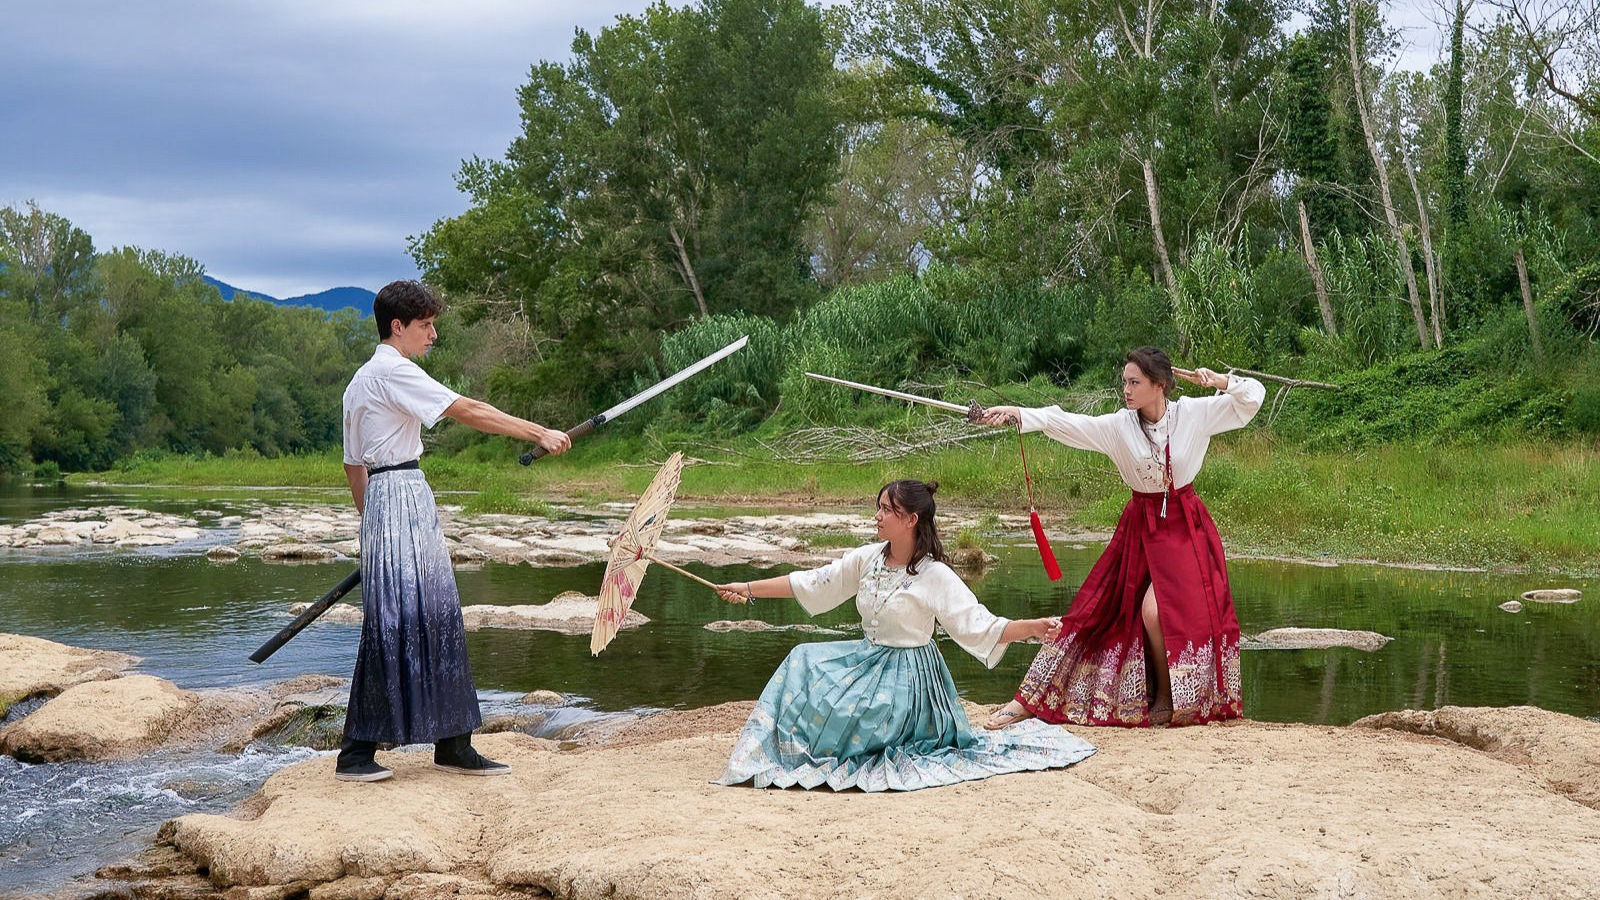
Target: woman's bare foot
x,y
1010,714
1161,712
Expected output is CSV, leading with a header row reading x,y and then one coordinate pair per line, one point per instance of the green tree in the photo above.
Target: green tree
x,y
666,172
49,263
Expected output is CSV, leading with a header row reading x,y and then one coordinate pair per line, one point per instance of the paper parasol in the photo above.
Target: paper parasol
x,y
632,552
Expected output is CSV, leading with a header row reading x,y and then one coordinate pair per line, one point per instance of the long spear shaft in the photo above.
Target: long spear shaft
x,y
974,413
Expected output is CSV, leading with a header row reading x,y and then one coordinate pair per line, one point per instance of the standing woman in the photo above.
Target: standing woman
x,y
1151,637
882,713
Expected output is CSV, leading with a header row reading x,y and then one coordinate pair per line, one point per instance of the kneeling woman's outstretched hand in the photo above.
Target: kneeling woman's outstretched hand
x,y
735,592
1046,629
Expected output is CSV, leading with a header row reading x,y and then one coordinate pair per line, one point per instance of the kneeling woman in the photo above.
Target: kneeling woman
x,y
882,713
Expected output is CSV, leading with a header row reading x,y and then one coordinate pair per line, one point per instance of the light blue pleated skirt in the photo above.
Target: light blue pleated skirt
x,y
853,714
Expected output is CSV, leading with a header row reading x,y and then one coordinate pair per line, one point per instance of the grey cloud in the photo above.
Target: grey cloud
x,y
289,141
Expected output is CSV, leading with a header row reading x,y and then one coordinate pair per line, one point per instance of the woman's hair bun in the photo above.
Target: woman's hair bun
x,y
931,486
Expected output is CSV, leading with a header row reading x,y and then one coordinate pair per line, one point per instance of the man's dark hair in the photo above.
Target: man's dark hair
x,y
406,301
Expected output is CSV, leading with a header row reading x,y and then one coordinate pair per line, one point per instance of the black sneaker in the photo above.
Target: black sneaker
x,y
365,771
466,761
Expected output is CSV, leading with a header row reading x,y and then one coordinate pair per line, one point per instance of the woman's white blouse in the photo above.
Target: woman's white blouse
x,y
1138,448
388,403
898,609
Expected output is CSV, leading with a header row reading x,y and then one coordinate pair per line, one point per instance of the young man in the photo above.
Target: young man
x,y
412,683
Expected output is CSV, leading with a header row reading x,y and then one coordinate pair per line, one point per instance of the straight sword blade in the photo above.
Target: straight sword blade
x,y
898,395
672,380
589,425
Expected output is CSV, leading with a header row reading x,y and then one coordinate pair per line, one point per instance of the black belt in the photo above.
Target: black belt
x,y
408,464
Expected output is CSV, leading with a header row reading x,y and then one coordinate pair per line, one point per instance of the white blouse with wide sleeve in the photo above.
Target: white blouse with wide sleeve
x,y
1139,448
899,609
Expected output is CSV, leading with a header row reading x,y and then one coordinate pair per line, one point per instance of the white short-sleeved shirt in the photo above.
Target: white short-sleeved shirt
x,y
388,403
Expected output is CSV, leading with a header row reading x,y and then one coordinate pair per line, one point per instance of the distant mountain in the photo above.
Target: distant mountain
x,y
332,300
227,290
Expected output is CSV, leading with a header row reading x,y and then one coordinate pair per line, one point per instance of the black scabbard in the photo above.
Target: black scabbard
x,y
316,609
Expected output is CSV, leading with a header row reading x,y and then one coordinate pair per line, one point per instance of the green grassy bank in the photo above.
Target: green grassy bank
x,y
1495,506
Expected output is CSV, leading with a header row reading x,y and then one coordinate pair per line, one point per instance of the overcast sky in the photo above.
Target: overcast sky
x,y
288,145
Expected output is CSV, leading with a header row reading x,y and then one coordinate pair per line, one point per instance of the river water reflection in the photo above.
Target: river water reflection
x,y
195,623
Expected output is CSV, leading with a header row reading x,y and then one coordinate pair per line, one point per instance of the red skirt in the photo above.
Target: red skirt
x,y
1094,674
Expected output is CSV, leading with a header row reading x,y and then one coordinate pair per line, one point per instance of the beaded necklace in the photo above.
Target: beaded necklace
x,y
1166,448
879,571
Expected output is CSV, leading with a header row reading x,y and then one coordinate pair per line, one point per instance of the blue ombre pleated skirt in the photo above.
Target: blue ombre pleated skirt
x,y
412,683
853,714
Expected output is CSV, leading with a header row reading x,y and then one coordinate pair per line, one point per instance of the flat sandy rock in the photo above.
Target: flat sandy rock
x,y
753,625
297,553
222,553
1553,595
343,613
1562,751
1316,639
31,667
543,698
568,613
1244,810
97,720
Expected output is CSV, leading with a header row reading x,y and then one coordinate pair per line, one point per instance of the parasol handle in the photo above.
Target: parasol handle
x,y
684,572
587,426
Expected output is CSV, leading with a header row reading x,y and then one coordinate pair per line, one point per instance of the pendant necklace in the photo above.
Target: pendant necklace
x,y
1156,453
882,568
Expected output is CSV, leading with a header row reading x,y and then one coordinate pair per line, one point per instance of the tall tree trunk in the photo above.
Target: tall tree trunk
x,y
1527,307
1435,289
1382,168
687,270
1455,147
1154,197
1323,304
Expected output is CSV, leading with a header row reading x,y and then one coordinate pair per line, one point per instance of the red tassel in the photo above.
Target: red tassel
x,y
1045,553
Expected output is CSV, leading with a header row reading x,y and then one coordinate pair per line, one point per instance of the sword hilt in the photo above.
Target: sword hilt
x,y
583,428
975,412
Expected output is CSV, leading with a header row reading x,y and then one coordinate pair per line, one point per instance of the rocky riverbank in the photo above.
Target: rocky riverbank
x,y
314,533
1446,803
1452,803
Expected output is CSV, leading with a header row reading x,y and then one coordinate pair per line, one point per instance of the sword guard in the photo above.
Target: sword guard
x,y
975,412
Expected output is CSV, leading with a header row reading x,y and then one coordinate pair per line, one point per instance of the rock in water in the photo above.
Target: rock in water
x,y
34,667
1553,595
1316,639
297,553
100,720
320,727
754,625
343,613
971,560
544,698
222,553
1512,606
